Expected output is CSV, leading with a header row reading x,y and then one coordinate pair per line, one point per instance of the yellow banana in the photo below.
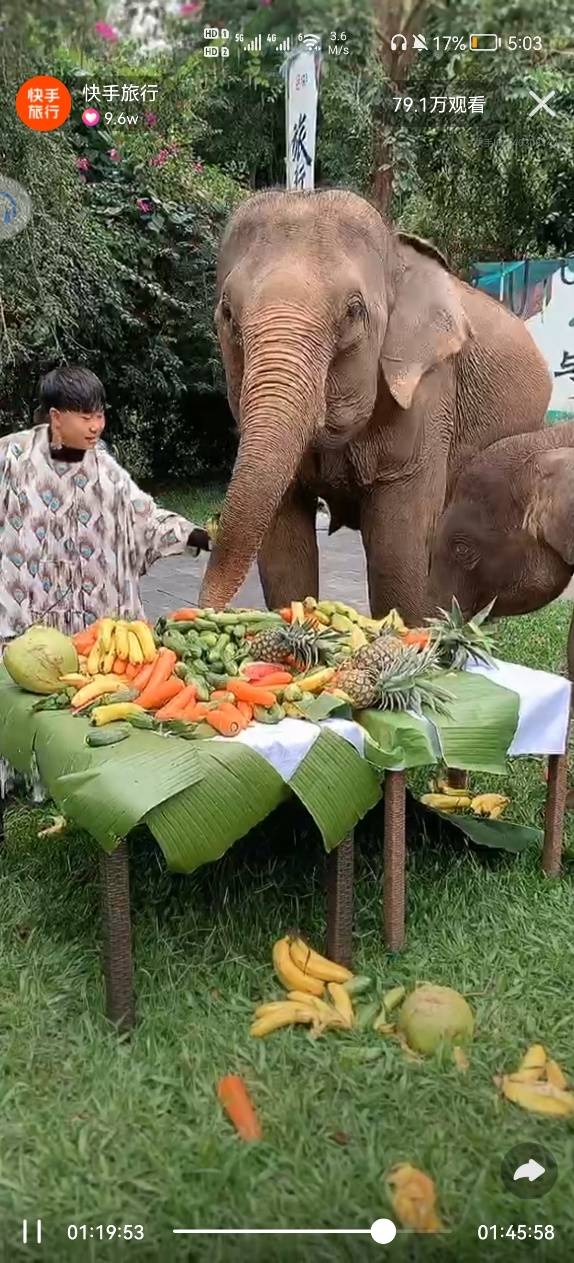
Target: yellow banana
x,y
317,966
343,1003
328,1015
446,802
293,979
108,661
555,1074
540,1098
75,678
122,645
94,658
284,1015
357,639
486,804
297,612
113,711
106,633
134,650
146,640
393,998
535,1058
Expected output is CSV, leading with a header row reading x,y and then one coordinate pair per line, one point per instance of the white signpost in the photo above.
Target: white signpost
x,y
301,71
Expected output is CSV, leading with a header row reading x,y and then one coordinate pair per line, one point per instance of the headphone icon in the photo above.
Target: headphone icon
x,y
395,42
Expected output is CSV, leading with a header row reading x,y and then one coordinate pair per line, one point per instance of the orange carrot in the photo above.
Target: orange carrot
x,y
119,667
219,695
224,722
131,670
255,672
274,680
246,710
84,640
157,695
287,614
175,708
183,616
418,636
197,711
233,1096
143,677
245,692
229,709
161,668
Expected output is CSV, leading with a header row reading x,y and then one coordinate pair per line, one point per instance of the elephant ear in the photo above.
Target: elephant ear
x,y
427,322
550,515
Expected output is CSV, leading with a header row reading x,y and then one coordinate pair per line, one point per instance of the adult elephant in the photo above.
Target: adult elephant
x,y
359,369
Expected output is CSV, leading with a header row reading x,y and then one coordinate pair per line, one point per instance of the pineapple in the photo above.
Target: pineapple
x,y
300,643
456,641
391,679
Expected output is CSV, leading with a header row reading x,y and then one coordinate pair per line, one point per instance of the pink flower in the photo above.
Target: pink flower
x,y
150,119
114,154
105,31
265,3
144,205
198,166
83,165
159,159
190,10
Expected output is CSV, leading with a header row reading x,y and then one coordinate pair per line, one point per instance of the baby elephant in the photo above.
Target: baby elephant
x,y
508,530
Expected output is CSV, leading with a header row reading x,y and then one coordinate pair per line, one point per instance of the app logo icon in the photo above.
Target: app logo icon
x,y
43,103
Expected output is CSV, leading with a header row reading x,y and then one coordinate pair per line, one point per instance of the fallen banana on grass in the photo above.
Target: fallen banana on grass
x,y
491,805
311,962
446,802
342,1002
539,1085
288,972
284,1013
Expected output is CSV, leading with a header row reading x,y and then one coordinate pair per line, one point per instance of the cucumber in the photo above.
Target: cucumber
x,y
107,736
209,639
272,715
197,667
181,669
181,625
205,625
201,732
201,686
238,632
217,680
122,695
194,650
176,641
141,721
215,666
229,662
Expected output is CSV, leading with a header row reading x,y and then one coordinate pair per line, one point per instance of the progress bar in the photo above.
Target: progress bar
x,y
383,1231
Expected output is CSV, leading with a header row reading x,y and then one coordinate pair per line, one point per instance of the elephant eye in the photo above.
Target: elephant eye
x,y
465,553
356,309
225,309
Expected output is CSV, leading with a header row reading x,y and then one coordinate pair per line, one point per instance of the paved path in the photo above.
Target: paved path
x,y
177,580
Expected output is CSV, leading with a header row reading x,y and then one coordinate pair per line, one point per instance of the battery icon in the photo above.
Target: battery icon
x,y
484,43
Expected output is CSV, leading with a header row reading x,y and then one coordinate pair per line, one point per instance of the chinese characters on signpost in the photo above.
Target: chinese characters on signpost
x,y
301,71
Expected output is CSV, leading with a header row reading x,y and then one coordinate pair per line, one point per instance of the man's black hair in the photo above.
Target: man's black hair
x,y
70,390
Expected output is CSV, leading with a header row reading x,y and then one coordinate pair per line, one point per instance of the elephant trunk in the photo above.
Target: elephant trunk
x,y
282,406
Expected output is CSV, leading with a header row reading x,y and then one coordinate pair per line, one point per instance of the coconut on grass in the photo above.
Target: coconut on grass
x,y
36,660
432,1015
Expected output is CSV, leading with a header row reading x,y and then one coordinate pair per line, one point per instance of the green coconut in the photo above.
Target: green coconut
x,y
38,658
431,1015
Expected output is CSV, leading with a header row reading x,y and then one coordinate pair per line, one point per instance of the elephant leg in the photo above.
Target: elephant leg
x,y
397,524
288,559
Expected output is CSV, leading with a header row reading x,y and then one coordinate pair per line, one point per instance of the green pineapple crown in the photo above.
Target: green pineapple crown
x,y
301,641
400,686
457,640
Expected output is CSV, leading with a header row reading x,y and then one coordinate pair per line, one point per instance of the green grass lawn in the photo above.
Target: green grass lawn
x,y
95,1130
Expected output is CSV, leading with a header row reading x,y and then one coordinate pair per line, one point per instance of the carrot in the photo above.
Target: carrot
x,y
418,636
234,1098
174,709
274,680
229,709
131,670
219,695
83,641
245,692
183,615
161,669
157,695
119,667
256,671
224,722
196,711
143,677
287,614
246,710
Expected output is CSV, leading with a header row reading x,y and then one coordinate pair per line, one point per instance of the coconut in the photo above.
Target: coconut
x,y
432,1014
37,659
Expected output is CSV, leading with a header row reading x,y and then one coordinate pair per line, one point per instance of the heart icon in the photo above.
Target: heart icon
x,y
90,118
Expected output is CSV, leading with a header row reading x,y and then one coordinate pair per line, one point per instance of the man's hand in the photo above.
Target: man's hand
x,y
199,541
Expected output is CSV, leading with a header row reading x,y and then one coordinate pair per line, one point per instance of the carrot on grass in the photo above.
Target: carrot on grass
x,y
174,709
157,695
233,1096
253,693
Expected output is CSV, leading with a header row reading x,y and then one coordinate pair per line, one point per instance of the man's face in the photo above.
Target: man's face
x,y
76,429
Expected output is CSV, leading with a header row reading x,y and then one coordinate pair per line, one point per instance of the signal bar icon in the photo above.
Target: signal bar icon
x,y
285,46
254,46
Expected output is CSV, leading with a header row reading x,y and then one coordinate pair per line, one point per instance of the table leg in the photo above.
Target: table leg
x,y
340,902
394,860
117,948
556,791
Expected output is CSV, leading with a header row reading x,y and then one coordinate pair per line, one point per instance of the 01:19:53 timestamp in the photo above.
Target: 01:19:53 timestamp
x,y
516,1232
105,1232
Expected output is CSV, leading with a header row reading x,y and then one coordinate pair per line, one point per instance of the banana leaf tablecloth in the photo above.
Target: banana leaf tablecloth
x,y
198,797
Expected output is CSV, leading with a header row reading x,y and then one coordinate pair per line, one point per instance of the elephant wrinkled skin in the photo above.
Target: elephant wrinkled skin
x,y
508,531
359,370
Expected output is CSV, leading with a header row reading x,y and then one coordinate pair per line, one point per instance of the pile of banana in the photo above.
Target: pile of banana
x,y
131,642
321,995
449,798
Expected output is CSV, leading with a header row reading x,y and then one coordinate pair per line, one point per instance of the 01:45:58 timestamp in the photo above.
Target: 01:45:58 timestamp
x,y
105,1232
516,1232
